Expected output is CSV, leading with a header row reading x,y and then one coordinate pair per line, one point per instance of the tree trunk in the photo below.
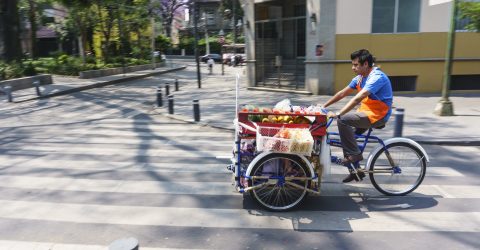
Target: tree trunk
x,y
81,49
11,35
32,18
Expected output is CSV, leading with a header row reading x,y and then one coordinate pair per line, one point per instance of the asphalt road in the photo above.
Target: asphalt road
x,y
80,171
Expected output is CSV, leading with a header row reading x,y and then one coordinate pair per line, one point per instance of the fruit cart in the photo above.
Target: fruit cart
x,y
277,155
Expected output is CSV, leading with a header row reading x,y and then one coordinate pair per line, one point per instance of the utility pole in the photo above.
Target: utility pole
x,y
234,9
152,20
195,33
444,106
121,38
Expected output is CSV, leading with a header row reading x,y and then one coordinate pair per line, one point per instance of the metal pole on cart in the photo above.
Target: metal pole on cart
x,y
237,139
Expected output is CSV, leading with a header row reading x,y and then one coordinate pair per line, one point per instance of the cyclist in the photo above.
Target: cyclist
x,y
375,98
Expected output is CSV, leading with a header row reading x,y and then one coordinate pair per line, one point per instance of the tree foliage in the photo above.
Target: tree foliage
x,y
471,10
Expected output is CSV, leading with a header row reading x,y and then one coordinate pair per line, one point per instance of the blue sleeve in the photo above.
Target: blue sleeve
x,y
374,83
353,83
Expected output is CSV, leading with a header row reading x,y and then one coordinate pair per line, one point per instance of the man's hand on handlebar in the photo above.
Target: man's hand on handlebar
x,y
331,114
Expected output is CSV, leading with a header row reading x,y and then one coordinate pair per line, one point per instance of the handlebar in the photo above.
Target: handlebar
x,y
330,120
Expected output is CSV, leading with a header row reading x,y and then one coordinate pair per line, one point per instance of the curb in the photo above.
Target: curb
x,y
101,84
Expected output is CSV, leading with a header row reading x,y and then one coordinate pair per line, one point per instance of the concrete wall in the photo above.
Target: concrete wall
x,y
249,31
319,75
26,82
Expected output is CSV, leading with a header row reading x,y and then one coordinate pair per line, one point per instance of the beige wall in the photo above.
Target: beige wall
x,y
411,48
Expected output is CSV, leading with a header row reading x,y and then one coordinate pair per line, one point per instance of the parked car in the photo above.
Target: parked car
x,y
215,57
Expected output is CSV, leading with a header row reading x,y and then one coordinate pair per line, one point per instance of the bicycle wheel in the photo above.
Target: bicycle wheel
x,y
280,181
406,173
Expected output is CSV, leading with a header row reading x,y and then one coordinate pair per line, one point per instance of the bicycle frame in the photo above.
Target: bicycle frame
x,y
366,138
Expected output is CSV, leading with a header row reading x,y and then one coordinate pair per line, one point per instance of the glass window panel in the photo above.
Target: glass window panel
x,y
383,16
408,15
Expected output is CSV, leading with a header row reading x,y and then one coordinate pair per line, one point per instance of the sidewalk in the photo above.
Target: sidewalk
x,y
217,103
217,108
63,85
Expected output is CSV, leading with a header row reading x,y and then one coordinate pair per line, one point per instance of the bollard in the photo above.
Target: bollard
x,y
167,89
8,92
159,97
176,84
37,87
398,122
196,111
124,244
170,104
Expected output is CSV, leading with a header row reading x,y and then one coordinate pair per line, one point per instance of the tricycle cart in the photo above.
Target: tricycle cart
x,y
277,171
278,163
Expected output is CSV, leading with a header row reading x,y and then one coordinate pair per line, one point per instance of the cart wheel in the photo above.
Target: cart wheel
x,y
407,173
279,181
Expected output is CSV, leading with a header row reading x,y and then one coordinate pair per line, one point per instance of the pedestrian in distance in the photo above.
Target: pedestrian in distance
x,y
375,97
233,61
210,63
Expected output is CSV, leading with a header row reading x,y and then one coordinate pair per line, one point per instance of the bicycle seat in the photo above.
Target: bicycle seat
x,y
380,127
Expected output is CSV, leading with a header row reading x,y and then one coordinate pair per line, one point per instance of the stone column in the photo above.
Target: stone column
x,y
249,31
321,30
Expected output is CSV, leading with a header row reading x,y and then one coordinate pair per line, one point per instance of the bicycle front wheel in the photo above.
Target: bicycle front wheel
x,y
279,181
398,169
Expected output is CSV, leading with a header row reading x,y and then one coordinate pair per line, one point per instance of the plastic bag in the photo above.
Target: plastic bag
x,y
325,157
284,105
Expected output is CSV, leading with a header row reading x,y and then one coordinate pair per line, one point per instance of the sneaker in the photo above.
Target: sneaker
x,y
352,176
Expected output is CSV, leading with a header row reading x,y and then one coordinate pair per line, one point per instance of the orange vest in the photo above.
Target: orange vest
x,y
374,109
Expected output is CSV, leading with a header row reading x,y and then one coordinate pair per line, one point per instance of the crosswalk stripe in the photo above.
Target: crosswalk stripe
x,y
98,142
19,245
118,186
240,218
129,166
215,188
89,149
92,131
431,171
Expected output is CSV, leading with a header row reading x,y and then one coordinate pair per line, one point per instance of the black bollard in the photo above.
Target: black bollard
x,y
196,110
176,84
159,97
167,89
124,244
170,104
398,122
37,87
8,92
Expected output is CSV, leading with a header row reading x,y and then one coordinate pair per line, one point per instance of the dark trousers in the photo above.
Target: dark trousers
x,y
350,123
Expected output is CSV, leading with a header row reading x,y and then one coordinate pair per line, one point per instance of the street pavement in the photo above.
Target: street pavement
x,y
81,170
217,102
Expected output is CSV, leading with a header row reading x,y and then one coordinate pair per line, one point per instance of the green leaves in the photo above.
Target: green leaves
x,y
471,10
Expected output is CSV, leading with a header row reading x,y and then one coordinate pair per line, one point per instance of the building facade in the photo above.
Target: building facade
x,y
306,44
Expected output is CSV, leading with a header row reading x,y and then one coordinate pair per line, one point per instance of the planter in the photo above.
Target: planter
x,y
115,71
26,82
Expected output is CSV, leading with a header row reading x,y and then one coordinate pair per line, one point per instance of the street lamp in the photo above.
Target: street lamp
x,y
444,106
195,31
207,43
221,41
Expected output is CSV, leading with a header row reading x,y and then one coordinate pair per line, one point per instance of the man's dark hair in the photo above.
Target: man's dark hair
x,y
363,56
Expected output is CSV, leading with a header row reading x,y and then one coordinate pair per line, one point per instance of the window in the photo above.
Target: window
x,y
403,83
392,16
